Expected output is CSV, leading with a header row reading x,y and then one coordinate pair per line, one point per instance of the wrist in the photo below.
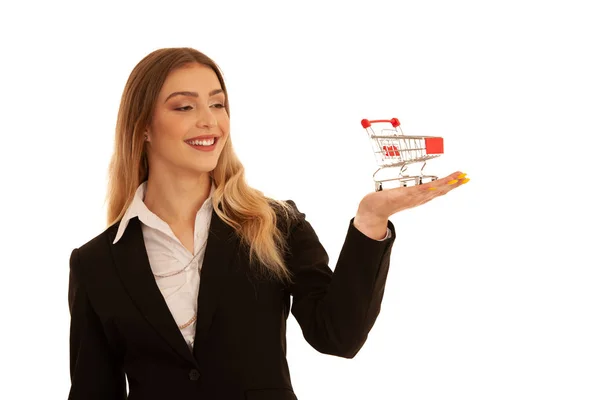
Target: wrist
x,y
371,226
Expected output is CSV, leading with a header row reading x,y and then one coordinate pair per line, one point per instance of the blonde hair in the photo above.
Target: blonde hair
x,y
253,216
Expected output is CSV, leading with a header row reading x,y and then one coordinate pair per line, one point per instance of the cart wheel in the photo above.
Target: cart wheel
x,y
404,184
420,182
378,187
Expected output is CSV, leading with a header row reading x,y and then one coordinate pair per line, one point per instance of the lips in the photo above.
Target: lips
x,y
205,148
204,137
202,141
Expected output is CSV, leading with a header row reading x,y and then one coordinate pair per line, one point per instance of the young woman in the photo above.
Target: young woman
x,y
187,291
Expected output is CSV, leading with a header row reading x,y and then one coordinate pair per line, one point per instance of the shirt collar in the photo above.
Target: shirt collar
x,y
138,208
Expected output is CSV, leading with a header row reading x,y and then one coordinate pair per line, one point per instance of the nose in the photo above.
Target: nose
x,y
206,119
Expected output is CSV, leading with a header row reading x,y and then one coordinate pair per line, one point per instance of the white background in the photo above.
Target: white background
x,y
493,289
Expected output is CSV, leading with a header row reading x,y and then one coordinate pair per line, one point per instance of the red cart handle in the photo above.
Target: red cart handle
x,y
367,123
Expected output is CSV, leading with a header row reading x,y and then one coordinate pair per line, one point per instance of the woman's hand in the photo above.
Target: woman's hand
x,y
375,208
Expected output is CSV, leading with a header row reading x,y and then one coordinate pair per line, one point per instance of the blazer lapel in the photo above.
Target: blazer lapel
x,y
134,269
220,247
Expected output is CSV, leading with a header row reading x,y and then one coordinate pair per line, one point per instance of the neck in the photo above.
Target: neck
x,y
176,200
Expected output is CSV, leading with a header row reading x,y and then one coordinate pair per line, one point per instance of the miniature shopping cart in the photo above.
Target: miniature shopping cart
x,y
395,150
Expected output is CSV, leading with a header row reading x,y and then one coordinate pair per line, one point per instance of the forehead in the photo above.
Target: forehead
x,y
197,77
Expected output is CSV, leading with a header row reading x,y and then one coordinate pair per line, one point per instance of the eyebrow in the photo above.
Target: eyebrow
x,y
193,94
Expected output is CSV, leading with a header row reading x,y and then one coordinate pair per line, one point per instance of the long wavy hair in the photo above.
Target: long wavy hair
x,y
248,211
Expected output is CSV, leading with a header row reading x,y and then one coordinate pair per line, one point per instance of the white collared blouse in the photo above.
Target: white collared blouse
x,y
176,270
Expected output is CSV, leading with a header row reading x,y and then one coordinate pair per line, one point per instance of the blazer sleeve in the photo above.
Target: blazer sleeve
x,y
95,372
337,309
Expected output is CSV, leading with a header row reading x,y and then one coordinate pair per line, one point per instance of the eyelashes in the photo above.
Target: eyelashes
x,y
187,108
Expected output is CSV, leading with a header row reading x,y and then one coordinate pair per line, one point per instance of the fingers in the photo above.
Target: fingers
x,y
403,198
444,185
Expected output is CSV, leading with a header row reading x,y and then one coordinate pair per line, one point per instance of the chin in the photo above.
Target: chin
x,y
204,169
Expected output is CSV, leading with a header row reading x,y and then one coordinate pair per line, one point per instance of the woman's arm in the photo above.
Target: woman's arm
x,y
336,310
95,373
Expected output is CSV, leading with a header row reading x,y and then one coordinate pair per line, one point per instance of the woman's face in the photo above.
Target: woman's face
x,y
191,103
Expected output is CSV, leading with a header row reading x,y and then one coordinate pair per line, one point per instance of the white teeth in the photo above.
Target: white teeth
x,y
205,142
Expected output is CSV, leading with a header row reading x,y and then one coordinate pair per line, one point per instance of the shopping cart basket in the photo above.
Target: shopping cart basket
x,y
394,149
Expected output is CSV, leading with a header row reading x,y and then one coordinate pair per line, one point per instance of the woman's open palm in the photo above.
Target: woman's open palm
x,y
385,203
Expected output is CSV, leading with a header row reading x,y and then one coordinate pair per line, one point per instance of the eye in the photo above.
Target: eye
x,y
219,105
182,108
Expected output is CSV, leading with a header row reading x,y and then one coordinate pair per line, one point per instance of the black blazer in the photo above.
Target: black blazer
x,y
120,323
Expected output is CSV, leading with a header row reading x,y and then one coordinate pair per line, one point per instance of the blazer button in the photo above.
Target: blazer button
x,y
194,375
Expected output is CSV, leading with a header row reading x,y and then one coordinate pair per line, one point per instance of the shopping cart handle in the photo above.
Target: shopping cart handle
x,y
367,123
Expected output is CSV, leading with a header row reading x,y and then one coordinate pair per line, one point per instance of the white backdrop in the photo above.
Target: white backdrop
x,y
493,289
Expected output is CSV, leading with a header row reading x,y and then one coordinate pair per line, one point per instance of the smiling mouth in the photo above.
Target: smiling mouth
x,y
202,142
208,144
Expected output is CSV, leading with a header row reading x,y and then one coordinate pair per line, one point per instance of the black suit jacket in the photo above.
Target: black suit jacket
x,y
120,323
